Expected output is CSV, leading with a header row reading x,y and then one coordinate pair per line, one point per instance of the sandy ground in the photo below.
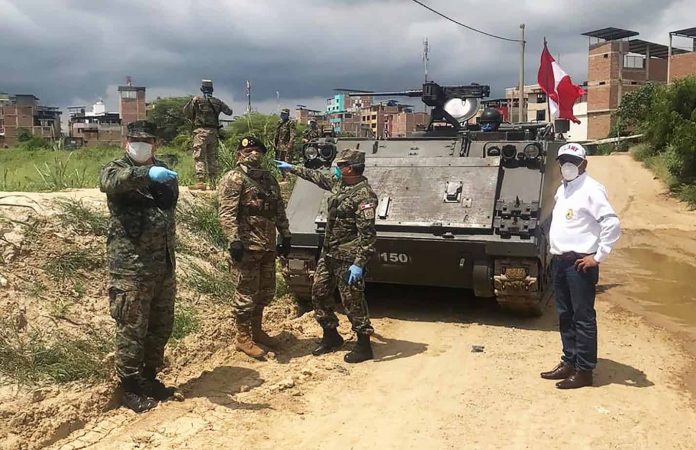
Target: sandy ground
x,y
427,389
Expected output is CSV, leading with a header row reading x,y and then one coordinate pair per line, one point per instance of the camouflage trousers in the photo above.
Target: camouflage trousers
x,y
256,283
329,274
205,154
285,153
143,308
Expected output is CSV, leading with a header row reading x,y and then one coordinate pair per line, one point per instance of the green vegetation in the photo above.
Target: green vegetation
x,y
33,357
82,218
168,114
666,116
201,218
215,283
186,321
68,264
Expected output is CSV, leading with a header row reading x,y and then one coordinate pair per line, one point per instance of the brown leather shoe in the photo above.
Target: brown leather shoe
x,y
560,372
580,378
258,335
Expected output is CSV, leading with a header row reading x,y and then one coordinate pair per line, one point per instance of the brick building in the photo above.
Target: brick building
x,y
132,104
618,63
682,64
95,127
23,113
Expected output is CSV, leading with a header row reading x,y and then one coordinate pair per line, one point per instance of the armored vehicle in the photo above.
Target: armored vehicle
x,y
458,207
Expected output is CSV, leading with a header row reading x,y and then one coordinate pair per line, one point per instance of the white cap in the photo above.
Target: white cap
x,y
571,149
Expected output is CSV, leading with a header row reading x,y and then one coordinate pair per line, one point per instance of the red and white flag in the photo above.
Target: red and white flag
x,y
559,89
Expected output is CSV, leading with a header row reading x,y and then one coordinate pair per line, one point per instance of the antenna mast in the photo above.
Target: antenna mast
x,y
426,58
248,93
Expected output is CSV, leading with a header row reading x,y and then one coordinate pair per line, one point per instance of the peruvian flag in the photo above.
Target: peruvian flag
x,y
558,87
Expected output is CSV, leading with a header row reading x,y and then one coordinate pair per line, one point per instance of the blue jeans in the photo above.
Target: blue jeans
x,y
577,319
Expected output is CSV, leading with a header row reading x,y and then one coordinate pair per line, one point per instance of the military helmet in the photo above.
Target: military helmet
x,y
142,129
350,156
251,142
490,115
206,85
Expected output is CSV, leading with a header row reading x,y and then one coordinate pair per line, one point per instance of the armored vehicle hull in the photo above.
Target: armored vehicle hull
x,y
470,210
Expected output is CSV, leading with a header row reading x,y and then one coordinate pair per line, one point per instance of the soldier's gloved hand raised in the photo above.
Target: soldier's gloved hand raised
x,y
284,247
355,273
236,250
282,165
160,174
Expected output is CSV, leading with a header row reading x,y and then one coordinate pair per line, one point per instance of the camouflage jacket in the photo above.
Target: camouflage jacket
x,y
142,228
205,112
252,208
350,225
310,134
285,136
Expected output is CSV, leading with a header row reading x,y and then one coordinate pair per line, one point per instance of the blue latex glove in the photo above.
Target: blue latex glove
x,y
355,274
282,165
160,174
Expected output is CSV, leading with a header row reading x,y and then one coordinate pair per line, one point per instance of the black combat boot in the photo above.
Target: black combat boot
x,y
134,394
361,352
154,387
330,342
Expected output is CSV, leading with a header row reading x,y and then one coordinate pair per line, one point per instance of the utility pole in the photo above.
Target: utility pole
x,y
426,58
248,93
278,102
521,99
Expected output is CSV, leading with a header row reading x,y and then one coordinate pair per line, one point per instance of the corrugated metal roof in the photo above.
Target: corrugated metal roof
x,y
611,33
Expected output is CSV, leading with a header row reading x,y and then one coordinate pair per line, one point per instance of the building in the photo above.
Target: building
x,y
94,128
682,64
619,63
343,111
406,123
23,114
536,107
132,105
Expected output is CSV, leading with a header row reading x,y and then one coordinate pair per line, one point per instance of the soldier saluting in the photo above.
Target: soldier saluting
x,y
349,243
204,112
141,194
251,209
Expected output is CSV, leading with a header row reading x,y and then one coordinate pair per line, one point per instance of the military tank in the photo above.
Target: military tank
x,y
458,207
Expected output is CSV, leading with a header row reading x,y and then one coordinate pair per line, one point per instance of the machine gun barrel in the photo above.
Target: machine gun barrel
x,y
409,93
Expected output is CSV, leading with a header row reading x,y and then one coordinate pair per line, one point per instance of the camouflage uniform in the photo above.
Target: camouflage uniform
x,y
350,239
284,139
311,133
142,264
204,113
251,209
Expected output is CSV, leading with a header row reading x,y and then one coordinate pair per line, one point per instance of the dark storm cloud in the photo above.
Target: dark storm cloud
x,y
75,51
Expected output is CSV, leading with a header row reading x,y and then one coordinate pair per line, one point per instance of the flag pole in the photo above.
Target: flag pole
x,y
521,96
548,104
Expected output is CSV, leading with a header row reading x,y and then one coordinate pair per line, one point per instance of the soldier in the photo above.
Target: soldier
x,y
204,113
490,120
141,193
348,245
284,139
312,132
251,209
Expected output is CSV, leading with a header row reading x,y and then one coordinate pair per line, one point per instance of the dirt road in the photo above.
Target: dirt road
x,y
426,389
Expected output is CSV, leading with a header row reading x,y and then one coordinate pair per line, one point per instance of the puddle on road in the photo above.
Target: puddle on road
x,y
662,284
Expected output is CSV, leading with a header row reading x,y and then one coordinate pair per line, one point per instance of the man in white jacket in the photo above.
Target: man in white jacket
x,y
584,229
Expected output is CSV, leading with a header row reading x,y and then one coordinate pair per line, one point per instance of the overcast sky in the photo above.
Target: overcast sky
x,y
72,52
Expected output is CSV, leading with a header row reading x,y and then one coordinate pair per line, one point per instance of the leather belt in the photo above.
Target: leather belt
x,y
572,256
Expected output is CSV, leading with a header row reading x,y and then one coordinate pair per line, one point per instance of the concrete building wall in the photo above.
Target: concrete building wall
x,y
578,132
23,112
404,123
682,66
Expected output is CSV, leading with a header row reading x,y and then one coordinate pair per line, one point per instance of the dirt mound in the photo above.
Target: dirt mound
x,y
56,339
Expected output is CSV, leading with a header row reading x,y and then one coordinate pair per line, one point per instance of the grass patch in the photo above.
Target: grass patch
x,y
215,283
201,218
67,266
658,163
186,321
82,218
41,170
33,357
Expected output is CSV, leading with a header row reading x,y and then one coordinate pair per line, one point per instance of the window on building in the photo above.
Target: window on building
x,y
349,116
541,115
602,83
606,55
634,62
127,94
541,98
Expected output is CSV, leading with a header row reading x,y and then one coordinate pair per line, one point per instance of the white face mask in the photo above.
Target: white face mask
x,y
141,152
569,171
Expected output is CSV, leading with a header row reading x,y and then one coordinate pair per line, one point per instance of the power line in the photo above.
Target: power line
x,y
463,25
